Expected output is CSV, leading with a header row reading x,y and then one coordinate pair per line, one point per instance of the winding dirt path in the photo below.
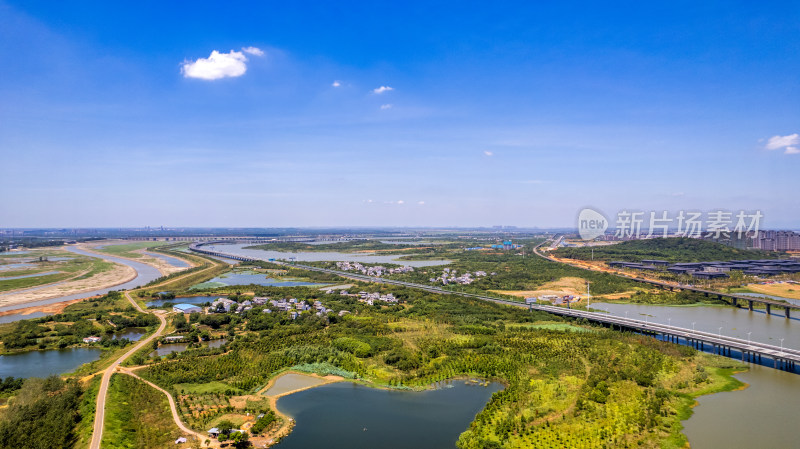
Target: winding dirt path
x,y
99,419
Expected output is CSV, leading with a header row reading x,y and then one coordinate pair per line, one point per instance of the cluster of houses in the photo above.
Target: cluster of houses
x,y
450,276
370,298
291,305
376,271
295,307
716,269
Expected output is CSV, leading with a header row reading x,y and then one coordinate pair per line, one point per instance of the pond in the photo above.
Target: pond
x,y
45,363
168,348
345,415
247,278
131,333
239,250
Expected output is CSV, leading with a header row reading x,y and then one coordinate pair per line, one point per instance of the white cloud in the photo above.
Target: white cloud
x,y
336,83
792,150
420,202
401,202
488,153
533,181
218,65
778,142
253,51
382,89
386,106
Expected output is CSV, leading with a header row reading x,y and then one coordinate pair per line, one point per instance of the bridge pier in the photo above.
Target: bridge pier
x,y
706,293
750,305
769,308
786,312
734,302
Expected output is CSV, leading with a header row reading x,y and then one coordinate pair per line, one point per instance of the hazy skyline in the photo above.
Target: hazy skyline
x,y
342,114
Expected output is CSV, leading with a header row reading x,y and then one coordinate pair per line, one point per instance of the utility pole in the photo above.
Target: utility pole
x,y
588,295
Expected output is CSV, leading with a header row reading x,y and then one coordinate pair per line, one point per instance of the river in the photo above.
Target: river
x,y
144,274
345,415
768,406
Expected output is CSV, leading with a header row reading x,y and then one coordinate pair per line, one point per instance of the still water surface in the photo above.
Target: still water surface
x,y
769,407
239,250
144,274
345,415
45,363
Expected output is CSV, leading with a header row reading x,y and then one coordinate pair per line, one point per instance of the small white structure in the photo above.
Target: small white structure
x,y
91,339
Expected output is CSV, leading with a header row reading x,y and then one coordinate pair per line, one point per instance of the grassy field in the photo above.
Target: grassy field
x,y
567,385
88,406
128,249
137,416
77,267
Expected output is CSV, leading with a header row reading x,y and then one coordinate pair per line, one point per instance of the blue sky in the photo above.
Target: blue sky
x,y
516,114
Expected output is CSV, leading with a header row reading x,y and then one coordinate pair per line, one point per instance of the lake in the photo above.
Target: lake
x,y
239,250
45,363
345,415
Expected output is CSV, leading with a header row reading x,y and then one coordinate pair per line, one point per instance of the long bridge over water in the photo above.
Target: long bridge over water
x,y
783,358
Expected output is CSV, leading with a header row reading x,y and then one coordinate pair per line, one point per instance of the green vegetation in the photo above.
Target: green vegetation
x,y
137,416
129,249
682,298
673,249
77,267
42,415
566,389
100,317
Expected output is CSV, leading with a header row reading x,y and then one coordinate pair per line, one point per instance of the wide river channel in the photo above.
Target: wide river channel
x,y
763,415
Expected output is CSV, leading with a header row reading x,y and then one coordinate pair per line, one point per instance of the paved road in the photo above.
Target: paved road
x,y
100,412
